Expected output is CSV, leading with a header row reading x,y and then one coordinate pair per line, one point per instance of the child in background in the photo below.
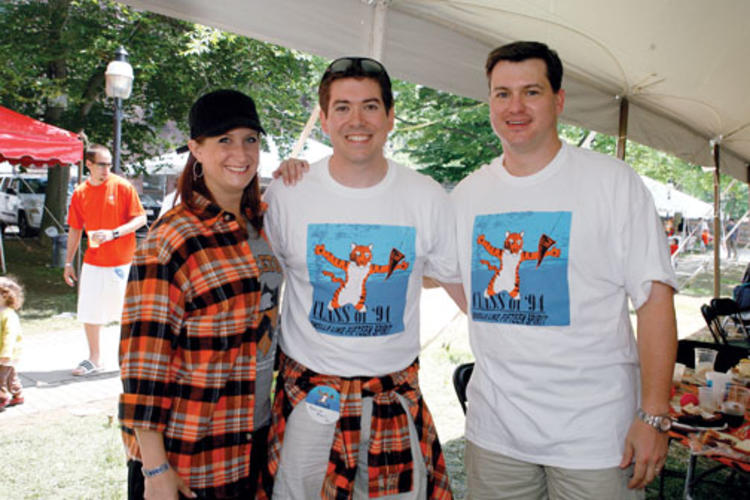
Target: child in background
x,y
11,299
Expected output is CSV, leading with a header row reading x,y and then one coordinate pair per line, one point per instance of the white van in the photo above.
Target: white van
x,y
22,201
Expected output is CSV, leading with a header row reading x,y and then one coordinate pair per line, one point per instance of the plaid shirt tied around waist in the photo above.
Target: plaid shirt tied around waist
x,y
191,333
391,465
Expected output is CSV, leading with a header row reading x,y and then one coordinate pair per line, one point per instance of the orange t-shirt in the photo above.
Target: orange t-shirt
x,y
106,206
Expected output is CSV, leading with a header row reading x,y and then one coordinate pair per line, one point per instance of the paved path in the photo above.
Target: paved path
x,y
45,371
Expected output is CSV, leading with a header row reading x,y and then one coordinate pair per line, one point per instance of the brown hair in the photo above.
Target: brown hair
x,y
11,292
90,154
359,68
522,51
188,183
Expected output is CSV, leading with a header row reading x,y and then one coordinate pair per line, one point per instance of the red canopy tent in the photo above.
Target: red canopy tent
x,y
26,141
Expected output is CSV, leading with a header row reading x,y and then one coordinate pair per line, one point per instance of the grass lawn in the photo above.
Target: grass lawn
x,y
47,295
59,455
62,455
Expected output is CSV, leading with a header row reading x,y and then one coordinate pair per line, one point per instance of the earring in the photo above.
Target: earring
x,y
197,170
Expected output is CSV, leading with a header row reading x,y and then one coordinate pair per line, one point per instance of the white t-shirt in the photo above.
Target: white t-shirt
x,y
353,261
169,201
556,379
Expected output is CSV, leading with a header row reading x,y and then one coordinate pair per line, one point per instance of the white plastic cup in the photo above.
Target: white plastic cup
x,y
706,399
719,382
94,244
704,361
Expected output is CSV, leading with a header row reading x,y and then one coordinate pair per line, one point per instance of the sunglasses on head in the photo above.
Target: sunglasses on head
x,y
355,66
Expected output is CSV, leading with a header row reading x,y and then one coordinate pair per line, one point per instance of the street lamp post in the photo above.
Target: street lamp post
x,y
119,84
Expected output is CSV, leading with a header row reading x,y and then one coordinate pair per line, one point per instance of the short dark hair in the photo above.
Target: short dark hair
x,y
92,149
522,51
360,68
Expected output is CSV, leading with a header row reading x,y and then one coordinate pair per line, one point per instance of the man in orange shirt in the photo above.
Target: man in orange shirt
x,y
109,209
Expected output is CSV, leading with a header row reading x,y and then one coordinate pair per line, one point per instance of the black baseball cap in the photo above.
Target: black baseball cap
x,y
222,110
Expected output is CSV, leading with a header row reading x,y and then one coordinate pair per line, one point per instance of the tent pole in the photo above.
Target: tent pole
x,y
377,34
302,139
717,219
622,133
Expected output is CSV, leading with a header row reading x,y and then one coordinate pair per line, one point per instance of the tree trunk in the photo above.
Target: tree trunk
x,y
55,202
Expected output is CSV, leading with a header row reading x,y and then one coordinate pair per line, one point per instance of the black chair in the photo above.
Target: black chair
x,y
461,376
714,325
727,310
727,357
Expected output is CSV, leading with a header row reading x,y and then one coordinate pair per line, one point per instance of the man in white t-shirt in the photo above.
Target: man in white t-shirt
x,y
552,241
355,237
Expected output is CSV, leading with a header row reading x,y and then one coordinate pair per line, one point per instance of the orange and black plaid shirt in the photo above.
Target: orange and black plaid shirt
x,y
190,330
391,464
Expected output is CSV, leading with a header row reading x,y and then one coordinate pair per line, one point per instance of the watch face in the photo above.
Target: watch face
x,y
665,423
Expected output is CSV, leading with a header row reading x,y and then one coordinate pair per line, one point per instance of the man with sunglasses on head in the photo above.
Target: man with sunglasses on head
x,y
108,208
355,237
552,240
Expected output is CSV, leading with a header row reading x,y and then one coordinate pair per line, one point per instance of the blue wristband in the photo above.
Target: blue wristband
x,y
156,470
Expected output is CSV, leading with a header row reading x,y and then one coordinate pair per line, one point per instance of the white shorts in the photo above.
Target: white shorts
x,y
101,293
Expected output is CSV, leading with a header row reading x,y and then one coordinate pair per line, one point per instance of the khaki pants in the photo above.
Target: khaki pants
x,y
492,476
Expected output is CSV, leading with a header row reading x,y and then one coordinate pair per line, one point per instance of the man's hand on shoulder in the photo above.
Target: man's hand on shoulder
x,y
291,171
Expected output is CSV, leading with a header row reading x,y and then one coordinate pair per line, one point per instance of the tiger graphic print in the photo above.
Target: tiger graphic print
x,y
506,276
357,269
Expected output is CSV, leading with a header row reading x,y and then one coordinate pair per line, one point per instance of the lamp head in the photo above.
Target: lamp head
x,y
119,76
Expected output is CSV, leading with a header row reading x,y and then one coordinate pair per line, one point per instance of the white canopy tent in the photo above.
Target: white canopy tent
x,y
681,64
669,74
670,201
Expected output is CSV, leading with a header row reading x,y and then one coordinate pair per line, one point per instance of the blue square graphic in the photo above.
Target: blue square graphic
x,y
360,275
519,268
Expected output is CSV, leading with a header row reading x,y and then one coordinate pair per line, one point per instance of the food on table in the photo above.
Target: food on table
x,y
742,446
695,416
743,368
691,409
712,438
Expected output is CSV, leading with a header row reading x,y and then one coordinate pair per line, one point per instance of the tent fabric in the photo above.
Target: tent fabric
x,y
26,141
670,201
680,63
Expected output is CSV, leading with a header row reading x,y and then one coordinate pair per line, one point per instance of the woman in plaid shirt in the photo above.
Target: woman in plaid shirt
x,y
198,328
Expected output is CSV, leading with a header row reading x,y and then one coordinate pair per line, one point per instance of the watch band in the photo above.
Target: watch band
x,y
661,423
161,469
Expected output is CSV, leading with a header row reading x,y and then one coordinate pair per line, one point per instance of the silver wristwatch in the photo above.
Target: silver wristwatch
x,y
661,423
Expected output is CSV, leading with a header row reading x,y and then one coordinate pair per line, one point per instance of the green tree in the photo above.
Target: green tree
x,y
447,136
55,54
